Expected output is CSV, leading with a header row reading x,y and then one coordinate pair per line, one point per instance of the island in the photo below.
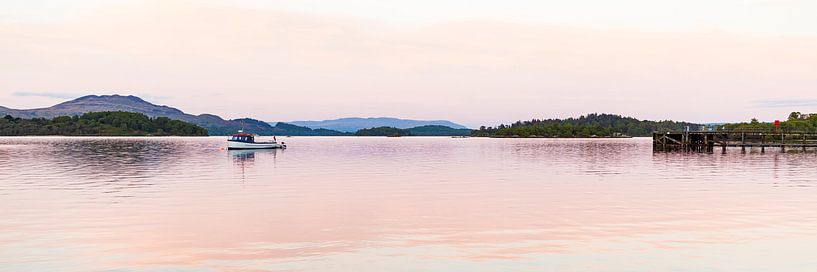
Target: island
x,y
428,130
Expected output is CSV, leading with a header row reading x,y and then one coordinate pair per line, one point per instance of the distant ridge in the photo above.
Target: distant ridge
x,y
354,124
98,103
213,123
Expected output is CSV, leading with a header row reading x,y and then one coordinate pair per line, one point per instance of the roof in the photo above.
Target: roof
x,y
243,135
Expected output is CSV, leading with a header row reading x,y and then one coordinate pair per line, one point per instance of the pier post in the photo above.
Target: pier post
x,y
743,142
706,142
782,142
762,143
724,138
664,142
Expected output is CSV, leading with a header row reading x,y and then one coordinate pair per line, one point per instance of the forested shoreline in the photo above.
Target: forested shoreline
x,y
587,126
113,123
120,123
429,130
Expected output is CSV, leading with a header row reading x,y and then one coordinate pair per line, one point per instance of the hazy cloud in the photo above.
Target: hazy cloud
x,y
275,64
787,103
47,94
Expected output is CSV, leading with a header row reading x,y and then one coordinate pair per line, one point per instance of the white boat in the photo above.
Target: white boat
x,y
243,140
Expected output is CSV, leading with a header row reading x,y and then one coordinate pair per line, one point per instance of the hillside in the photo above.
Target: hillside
x,y
117,123
104,103
354,124
591,125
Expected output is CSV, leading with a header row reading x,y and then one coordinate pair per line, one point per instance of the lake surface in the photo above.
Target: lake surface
x,y
401,204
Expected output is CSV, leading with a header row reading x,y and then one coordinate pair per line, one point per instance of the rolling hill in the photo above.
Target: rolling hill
x,y
213,123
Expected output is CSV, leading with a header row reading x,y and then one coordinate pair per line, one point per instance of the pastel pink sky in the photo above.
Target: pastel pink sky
x,y
474,62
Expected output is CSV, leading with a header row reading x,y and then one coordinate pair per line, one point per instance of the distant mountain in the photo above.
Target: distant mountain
x,y
94,103
214,124
354,124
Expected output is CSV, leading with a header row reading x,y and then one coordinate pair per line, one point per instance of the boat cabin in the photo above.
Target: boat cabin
x,y
243,137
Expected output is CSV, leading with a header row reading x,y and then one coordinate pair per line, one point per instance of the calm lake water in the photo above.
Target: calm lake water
x,y
401,204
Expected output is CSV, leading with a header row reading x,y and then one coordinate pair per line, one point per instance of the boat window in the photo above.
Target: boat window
x,y
242,138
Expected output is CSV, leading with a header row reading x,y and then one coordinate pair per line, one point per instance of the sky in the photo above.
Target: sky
x,y
473,62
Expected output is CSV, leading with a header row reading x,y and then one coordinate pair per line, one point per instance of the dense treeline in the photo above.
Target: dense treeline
x,y
436,130
383,131
591,125
113,123
796,122
429,130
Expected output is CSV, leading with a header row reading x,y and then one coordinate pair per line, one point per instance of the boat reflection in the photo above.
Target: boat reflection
x,y
247,158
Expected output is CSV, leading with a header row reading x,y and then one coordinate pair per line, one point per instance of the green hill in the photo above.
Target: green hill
x,y
113,123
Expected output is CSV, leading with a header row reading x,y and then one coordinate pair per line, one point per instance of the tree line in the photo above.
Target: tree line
x,y
427,130
796,122
591,125
111,123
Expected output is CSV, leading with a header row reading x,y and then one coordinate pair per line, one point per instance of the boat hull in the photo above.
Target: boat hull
x,y
243,145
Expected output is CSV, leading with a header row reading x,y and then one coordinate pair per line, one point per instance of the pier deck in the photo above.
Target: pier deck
x,y
708,141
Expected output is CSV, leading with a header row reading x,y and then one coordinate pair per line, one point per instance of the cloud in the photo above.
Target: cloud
x,y
47,94
236,61
787,103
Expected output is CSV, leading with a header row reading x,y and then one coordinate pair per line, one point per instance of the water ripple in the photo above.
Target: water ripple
x,y
375,204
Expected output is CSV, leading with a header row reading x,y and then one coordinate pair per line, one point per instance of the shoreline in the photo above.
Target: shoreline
x,y
543,137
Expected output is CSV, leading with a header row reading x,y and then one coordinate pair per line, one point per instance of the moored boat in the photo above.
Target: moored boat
x,y
243,140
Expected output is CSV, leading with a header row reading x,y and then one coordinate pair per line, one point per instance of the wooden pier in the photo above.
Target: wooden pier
x,y
709,141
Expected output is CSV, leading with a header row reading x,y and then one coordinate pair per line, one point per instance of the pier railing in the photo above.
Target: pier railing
x,y
708,141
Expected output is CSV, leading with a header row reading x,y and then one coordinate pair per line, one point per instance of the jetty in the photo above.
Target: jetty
x,y
709,141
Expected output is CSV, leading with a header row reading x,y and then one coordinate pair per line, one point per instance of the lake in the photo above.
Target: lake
x,y
401,204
